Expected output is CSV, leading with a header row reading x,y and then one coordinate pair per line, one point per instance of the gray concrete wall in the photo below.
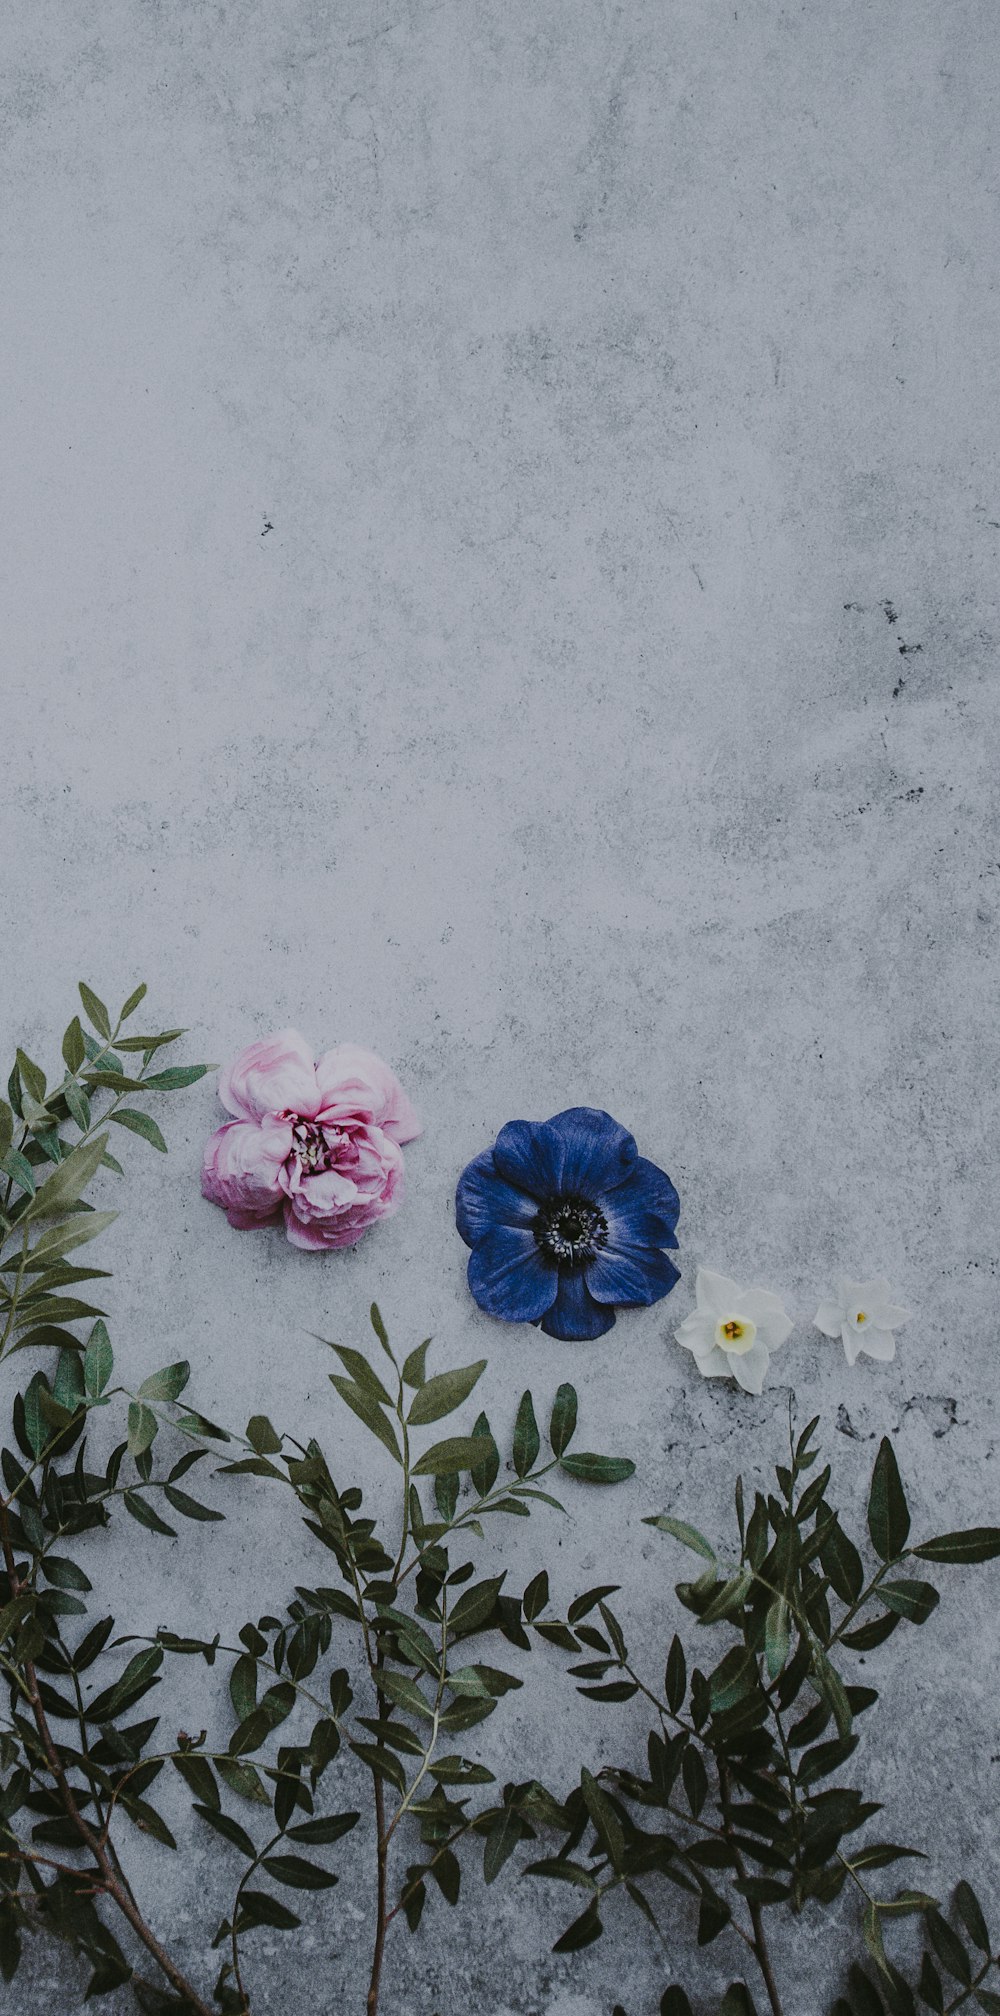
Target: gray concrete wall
x,y
500,517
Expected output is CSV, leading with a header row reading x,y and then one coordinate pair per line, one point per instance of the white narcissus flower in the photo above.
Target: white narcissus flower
x,y
733,1330
864,1317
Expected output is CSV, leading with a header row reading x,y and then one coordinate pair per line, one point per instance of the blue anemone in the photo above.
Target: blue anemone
x,y
566,1219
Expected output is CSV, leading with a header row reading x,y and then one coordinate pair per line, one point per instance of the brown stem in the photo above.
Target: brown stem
x,y
111,1882
381,1918
759,1945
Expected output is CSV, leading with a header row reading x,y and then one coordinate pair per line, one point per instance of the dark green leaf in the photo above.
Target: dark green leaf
x,y
501,1841
415,1365
198,1776
442,1394
562,1421
591,1469
367,1409
914,1600
978,1543
688,1535
229,1829
297,1873
189,1508
459,1452
969,1910
167,1384
176,1076
142,1428
72,1046
319,1833
95,1011
948,1947
888,1513
139,1123
486,1470
526,1438
68,1181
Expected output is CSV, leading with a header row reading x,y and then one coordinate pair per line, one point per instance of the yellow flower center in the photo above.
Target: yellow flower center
x,y
861,1317
735,1334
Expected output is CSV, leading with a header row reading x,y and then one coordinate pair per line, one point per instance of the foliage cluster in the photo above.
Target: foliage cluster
x,y
378,1671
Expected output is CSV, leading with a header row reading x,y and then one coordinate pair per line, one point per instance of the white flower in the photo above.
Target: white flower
x,y
733,1330
864,1317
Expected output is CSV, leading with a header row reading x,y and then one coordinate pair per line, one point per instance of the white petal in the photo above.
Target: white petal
x,y
750,1367
880,1344
889,1316
766,1312
697,1332
852,1342
715,1365
716,1292
829,1318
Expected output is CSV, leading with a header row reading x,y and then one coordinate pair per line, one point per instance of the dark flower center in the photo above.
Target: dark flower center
x,y
310,1147
570,1230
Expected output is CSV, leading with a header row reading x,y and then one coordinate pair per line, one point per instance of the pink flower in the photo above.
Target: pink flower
x,y
316,1143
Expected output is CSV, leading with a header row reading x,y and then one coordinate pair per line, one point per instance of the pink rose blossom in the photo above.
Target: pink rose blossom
x,y
318,1144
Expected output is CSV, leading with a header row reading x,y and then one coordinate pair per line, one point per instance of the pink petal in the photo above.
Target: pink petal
x,y
241,1169
276,1075
355,1084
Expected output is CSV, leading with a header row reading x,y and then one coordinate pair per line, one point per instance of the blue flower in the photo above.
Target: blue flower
x,y
566,1219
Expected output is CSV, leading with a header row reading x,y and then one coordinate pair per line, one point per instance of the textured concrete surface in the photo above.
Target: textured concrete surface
x,y
500,518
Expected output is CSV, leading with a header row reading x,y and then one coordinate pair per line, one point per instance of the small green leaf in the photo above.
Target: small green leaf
x,y
969,1910
501,1842
95,1011
415,1365
978,1543
98,1360
459,1452
367,1409
357,1367
68,1180
380,1330
139,1123
526,1438
32,1079
688,1535
441,1395
143,1513
262,1437
562,1421
591,1469
189,1508
62,1239
888,1513
583,1931
166,1384
776,1636
229,1829
176,1076
138,994
914,1600
16,1166
297,1873
64,1574
142,1428
485,1472
72,1046
6,1128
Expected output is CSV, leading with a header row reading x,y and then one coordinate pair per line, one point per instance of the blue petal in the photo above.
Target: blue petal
x,y
645,1208
509,1277
581,1152
574,1313
626,1274
483,1200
